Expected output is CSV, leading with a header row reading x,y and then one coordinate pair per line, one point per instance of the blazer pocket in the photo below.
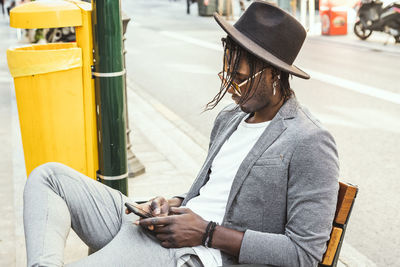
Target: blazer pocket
x,y
269,161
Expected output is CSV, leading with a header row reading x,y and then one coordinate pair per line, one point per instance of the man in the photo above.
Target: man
x,y
266,193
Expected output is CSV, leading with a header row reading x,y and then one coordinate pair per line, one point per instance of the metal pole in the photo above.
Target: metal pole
x,y
303,12
311,10
229,10
293,3
220,6
108,72
135,167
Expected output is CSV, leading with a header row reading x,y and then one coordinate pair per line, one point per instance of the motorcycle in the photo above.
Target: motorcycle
x,y
371,16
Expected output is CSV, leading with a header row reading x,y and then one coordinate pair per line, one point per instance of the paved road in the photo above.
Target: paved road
x,y
354,91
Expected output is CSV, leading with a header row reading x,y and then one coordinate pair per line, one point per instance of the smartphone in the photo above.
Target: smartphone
x,y
138,211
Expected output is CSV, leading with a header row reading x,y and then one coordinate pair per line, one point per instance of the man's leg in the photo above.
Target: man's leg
x,y
57,197
133,246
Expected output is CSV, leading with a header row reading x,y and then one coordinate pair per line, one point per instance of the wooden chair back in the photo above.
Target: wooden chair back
x,y
346,197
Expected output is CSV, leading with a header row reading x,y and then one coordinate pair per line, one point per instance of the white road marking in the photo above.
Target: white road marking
x,y
355,86
340,82
191,40
371,118
329,119
191,68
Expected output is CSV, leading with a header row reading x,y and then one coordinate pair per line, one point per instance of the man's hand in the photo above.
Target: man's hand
x,y
157,206
182,229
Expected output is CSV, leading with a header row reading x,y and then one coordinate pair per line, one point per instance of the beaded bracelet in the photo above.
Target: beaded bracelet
x,y
211,233
205,236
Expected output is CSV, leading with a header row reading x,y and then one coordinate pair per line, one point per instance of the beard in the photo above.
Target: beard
x,y
259,100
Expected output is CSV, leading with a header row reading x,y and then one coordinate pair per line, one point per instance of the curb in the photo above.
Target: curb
x,y
168,114
176,140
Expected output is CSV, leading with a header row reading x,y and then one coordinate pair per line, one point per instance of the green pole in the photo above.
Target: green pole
x,y
108,72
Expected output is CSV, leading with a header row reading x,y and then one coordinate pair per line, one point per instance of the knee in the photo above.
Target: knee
x,y
43,175
47,169
44,170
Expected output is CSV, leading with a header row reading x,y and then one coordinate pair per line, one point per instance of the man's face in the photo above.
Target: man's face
x,y
262,88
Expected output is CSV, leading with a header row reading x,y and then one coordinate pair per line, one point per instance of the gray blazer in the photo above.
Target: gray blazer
x,y
284,194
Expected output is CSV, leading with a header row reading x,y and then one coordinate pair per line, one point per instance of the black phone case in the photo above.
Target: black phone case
x,y
139,212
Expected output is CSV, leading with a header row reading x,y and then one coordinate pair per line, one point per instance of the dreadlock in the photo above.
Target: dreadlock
x,y
233,55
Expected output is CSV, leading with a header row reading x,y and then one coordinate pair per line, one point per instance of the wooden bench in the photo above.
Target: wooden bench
x,y
346,197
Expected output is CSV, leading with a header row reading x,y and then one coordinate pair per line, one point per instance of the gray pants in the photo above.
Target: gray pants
x,y
57,198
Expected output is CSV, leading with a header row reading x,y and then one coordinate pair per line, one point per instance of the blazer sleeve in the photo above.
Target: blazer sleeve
x,y
311,203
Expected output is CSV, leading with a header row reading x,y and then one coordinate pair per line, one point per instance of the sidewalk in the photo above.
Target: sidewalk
x,y
378,41
170,149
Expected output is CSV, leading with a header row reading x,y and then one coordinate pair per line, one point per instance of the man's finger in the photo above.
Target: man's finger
x,y
155,221
150,227
155,206
180,210
164,209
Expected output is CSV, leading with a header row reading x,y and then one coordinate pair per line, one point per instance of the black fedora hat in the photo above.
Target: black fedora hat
x,y
269,33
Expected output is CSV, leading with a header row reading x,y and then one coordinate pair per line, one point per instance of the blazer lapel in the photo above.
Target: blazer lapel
x,y
268,137
220,139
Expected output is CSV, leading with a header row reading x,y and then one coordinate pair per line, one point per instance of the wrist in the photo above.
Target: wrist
x,y
227,240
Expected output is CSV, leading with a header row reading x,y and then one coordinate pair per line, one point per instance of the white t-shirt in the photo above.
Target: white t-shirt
x,y
210,204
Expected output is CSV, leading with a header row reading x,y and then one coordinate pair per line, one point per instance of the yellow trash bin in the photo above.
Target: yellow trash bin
x,y
50,99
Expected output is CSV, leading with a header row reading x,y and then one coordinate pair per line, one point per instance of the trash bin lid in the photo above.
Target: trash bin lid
x,y
40,59
46,14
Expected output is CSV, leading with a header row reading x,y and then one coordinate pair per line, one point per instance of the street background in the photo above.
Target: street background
x,y
172,64
175,57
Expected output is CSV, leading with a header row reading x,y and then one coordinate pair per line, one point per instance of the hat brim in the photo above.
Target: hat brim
x,y
257,50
